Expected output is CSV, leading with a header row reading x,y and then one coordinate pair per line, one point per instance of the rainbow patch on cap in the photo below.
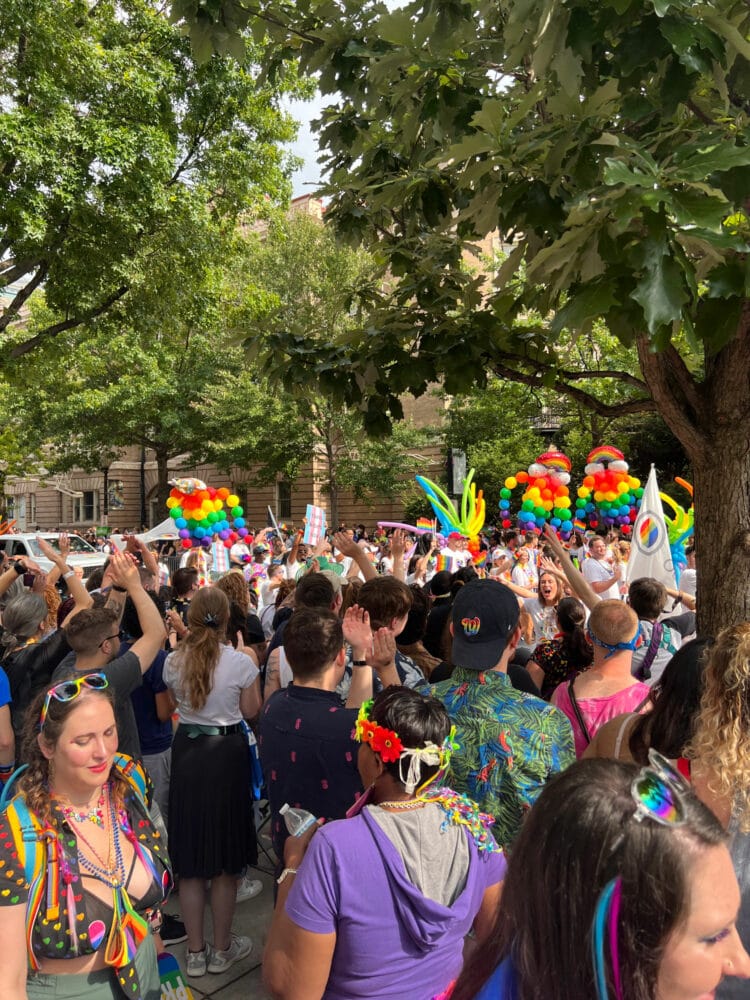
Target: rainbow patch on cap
x,y
605,453
471,626
555,460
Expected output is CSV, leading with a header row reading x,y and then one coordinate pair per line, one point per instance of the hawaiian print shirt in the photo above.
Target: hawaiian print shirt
x,y
510,743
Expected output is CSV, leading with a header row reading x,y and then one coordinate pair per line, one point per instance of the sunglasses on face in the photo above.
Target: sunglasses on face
x,y
70,689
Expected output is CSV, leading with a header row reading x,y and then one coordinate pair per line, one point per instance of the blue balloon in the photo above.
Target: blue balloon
x,y
555,522
239,522
180,522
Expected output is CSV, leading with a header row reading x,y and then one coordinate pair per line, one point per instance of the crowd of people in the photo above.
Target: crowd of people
x,y
523,777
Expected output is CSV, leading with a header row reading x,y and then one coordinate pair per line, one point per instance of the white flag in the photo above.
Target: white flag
x,y
650,554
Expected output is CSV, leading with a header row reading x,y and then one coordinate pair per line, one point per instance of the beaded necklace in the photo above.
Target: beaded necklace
x,y
95,815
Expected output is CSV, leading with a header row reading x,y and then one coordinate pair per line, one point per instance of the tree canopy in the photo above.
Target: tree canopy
x,y
607,147
120,156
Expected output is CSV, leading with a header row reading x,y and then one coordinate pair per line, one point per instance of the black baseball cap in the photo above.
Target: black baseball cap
x,y
485,614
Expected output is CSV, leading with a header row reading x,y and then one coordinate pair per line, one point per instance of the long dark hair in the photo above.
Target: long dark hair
x,y
669,727
571,617
580,835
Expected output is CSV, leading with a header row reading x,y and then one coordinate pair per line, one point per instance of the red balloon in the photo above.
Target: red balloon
x,y
187,543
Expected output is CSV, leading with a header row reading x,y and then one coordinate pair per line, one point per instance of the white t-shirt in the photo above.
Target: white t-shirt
x,y
233,673
545,619
596,570
456,560
239,552
292,568
524,576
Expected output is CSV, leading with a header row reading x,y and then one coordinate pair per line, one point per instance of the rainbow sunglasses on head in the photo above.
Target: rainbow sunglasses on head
x,y
658,791
70,689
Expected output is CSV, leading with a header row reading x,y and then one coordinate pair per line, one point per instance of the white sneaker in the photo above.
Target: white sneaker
x,y
197,962
220,961
248,888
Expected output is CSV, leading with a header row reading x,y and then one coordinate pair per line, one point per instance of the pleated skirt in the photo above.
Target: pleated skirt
x,y
211,829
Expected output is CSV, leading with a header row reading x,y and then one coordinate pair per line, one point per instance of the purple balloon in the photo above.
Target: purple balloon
x,y
206,542
242,532
224,534
184,533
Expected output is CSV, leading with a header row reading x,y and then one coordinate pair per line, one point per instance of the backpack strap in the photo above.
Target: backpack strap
x,y
644,670
135,774
6,795
577,711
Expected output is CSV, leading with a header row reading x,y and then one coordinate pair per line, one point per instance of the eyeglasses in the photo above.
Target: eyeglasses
x,y
117,635
68,690
659,792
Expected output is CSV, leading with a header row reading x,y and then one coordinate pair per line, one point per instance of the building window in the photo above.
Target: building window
x,y
86,507
283,500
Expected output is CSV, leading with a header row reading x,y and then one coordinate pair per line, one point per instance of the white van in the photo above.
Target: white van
x,y
81,553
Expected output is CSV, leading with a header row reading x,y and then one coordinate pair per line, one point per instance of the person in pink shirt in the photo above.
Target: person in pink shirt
x,y
608,687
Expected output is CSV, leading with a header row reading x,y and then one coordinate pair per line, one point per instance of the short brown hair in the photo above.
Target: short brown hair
x,y
312,640
384,599
87,630
613,622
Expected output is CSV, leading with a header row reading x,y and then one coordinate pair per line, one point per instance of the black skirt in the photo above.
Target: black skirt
x,y
211,828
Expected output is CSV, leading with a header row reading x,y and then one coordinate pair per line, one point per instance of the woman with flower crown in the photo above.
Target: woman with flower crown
x,y
83,871
381,903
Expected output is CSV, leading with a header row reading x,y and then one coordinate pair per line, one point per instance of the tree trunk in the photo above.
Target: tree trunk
x,y
162,477
333,488
711,419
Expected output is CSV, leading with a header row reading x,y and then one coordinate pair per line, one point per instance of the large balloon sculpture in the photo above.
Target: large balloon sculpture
x,y
545,499
201,513
679,528
609,496
469,521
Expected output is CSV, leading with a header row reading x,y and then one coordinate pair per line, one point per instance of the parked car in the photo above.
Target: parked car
x,y
81,553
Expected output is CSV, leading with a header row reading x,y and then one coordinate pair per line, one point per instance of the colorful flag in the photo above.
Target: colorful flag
x,y
315,527
650,553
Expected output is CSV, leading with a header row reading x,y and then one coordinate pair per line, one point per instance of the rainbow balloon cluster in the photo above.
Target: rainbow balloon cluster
x,y
202,513
609,496
546,498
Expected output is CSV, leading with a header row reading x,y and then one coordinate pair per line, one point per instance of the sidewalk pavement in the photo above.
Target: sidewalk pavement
x,y
253,918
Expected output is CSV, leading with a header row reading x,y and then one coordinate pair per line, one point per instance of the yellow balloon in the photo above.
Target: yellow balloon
x,y
218,504
232,500
511,482
172,502
582,492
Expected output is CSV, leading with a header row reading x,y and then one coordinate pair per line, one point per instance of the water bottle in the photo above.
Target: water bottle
x,y
298,821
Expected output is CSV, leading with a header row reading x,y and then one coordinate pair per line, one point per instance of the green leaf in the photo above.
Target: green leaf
x,y
661,291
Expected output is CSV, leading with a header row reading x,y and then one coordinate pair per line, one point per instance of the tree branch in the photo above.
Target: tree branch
x,y
576,375
665,386
533,379
17,304
69,324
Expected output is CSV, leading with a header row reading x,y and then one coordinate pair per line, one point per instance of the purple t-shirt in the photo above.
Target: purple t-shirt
x,y
391,940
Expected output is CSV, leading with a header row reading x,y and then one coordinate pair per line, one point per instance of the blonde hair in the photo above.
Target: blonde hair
x,y
721,743
199,652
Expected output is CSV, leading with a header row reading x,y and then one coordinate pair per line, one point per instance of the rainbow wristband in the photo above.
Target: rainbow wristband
x,y
6,770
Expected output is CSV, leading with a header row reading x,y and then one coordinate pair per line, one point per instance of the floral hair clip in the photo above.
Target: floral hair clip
x,y
381,740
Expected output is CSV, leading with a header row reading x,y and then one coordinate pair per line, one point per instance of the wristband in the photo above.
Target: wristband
x,y
359,663
71,572
19,568
6,772
119,590
284,874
